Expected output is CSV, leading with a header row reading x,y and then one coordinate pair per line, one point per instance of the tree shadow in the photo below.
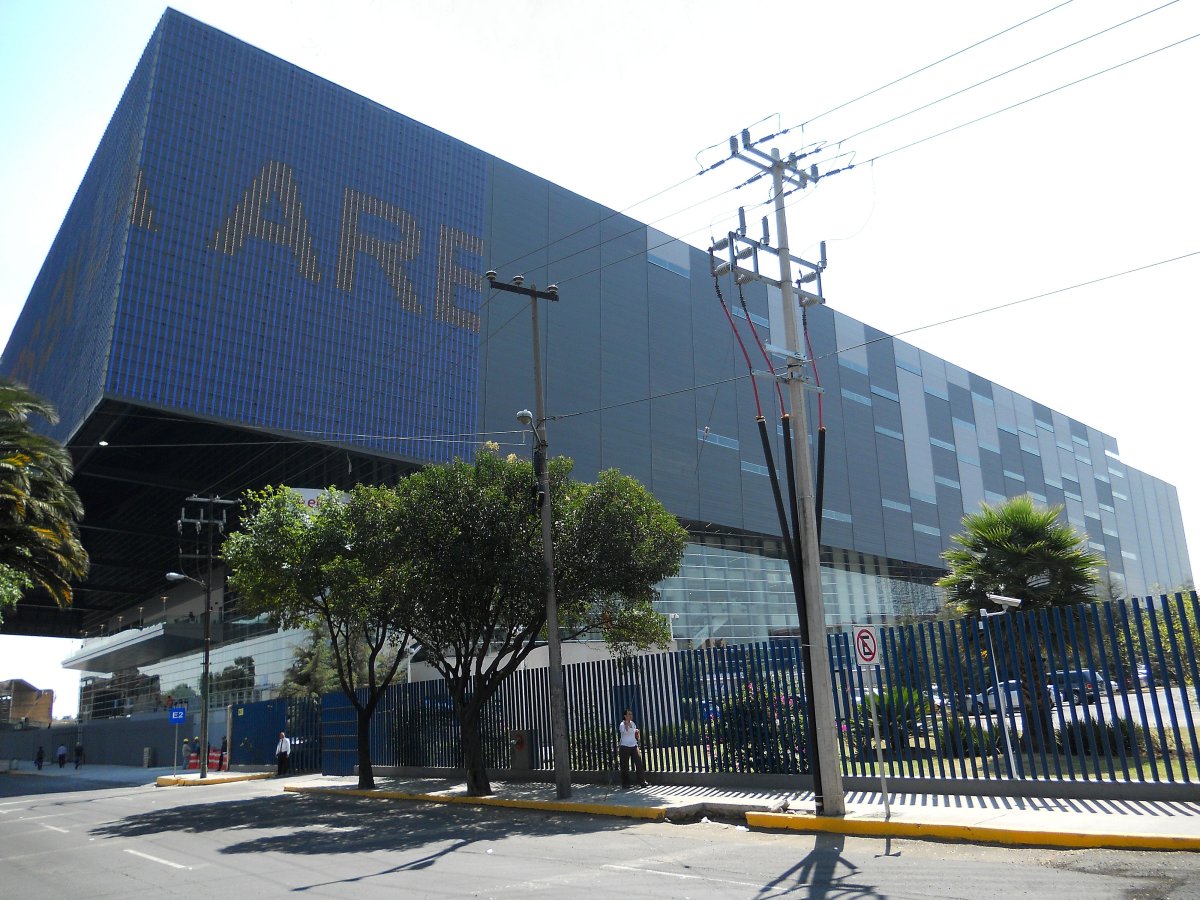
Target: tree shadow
x,y
312,824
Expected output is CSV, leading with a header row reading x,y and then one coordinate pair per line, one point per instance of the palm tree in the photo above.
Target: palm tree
x,y
1020,549
39,510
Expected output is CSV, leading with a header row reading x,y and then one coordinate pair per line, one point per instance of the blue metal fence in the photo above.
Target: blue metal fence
x,y
1099,692
255,732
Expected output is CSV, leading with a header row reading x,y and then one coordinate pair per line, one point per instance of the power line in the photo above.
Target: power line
x,y
1031,99
723,381
925,68
999,75
886,337
1011,303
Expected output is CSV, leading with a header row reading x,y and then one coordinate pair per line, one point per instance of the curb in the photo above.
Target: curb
x,y
1015,837
190,781
654,813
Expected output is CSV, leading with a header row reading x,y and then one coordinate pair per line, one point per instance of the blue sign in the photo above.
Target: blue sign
x,y
178,715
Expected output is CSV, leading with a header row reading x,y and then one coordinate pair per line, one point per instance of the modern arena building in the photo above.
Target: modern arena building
x,y
267,279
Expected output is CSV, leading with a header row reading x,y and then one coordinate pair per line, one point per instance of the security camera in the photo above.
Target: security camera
x,y
1010,602
525,417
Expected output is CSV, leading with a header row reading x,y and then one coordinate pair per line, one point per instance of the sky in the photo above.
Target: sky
x,y
1025,169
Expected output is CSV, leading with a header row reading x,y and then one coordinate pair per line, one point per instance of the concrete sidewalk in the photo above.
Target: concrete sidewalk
x,y
125,776
1011,821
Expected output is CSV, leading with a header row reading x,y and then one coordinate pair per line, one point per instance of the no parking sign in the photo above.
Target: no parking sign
x,y
866,645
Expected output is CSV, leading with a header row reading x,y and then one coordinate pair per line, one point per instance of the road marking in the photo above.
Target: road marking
x,y
651,871
165,862
54,828
681,876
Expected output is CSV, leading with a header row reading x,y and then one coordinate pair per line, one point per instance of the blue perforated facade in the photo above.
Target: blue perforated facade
x,y
276,252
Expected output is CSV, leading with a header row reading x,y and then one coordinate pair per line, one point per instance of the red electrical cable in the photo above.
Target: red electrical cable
x,y
736,334
762,349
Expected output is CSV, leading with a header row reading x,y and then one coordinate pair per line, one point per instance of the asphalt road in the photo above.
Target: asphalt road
x,y
250,840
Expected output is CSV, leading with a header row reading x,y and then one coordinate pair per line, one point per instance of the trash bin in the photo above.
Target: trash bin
x,y
147,757
522,742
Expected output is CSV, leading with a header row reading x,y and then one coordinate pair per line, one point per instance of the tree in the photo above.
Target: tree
x,y
1019,549
470,534
39,510
312,672
332,565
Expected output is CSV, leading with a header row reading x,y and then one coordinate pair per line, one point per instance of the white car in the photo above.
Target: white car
x,y
989,700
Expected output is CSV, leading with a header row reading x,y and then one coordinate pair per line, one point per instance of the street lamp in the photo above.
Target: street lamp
x,y
177,577
1006,603
558,693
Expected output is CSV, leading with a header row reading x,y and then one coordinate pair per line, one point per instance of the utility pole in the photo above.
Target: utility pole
x,y
786,174
211,519
558,693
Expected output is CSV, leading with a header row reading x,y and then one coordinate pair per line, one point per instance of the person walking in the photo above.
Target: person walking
x,y
40,758
629,750
283,750
221,764
61,753
78,754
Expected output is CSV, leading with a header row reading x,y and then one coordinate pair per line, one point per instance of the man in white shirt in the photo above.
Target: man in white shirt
x,y
629,751
282,751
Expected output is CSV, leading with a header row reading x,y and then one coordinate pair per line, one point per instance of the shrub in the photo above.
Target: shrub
x,y
593,747
901,712
676,734
1110,737
960,737
759,732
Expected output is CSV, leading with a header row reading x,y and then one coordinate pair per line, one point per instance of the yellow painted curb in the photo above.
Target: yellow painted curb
x,y
973,833
185,781
655,813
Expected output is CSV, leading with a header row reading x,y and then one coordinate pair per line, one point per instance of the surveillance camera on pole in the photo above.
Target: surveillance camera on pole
x,y
1007,602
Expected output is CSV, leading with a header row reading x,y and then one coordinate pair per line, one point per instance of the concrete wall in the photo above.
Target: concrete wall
x,y
118,742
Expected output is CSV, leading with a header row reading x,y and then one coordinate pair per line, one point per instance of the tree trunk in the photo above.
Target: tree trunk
x,y
366,776
478,783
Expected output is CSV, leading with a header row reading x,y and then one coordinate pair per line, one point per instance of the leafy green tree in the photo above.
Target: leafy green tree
x,y
471,538
39,510
334,565
1020,549
312,672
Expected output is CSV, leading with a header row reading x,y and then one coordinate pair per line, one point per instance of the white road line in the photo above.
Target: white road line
x,y
165,862
54,828
653,872
681,876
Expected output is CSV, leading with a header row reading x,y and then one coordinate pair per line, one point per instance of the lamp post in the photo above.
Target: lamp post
x,y
537,423
179,576
1001,694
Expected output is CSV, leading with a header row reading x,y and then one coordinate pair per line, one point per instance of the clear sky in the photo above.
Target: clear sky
x,y
1013,188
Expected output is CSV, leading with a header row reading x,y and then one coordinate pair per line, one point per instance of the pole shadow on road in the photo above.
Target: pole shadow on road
x,y
818,871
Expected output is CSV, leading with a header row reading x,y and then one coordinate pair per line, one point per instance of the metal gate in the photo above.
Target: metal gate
x,y
256,727
339,754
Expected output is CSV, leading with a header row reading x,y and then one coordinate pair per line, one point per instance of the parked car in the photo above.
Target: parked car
x,y
1143,676
1074,686
989,700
